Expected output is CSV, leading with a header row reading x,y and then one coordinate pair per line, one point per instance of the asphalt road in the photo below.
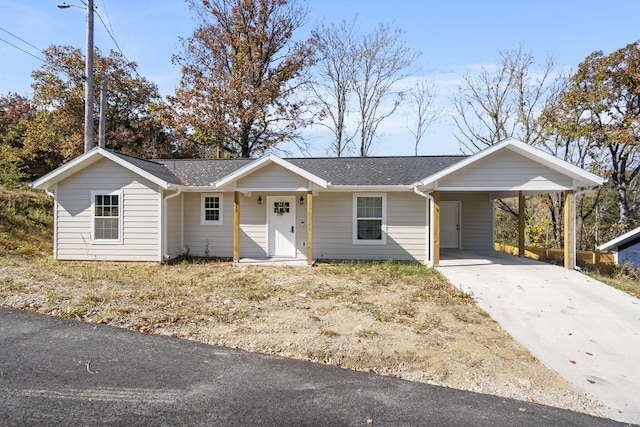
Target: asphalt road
x,y
57,371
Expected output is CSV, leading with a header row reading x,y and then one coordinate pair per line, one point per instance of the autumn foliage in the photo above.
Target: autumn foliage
x,y
241,74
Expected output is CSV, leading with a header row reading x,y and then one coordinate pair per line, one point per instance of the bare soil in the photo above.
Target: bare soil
x,y
400,320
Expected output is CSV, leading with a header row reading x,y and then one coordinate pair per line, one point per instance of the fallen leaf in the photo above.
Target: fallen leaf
x,y
528,411
572,361
591,381
589,354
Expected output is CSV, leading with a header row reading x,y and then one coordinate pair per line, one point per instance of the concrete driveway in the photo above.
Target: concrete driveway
x,y
584,330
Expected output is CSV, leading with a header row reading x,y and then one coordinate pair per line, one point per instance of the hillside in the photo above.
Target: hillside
x,y
26,223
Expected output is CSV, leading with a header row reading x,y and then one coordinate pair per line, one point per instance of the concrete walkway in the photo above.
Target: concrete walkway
x,y
584,330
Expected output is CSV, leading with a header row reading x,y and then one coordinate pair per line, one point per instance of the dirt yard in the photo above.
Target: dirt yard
x,y
393,319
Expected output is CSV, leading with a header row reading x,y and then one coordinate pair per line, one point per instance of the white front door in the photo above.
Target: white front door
x,y
282,226
450,225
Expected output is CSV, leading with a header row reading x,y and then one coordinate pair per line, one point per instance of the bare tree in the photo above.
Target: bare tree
x,y
422,98
504,101
334,45
383,60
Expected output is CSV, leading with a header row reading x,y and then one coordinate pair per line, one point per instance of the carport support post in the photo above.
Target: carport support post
x,y
521,223
309,227
569,230
236,226
436,227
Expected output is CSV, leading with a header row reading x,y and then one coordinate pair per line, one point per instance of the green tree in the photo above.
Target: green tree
x,y
55,133
601,106
241,75
16,111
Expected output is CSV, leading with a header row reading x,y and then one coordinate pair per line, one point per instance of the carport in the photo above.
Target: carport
x,y
462,196
586,331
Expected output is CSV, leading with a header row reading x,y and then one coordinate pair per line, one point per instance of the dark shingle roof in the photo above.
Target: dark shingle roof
x,y
375,170
154,168
338,171
201,172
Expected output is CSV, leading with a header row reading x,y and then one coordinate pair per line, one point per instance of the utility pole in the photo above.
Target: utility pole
x,y
102,127
88,75
88,87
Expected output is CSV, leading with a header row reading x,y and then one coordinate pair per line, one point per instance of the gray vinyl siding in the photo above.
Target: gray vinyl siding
x,y
273,177
174,225
476,226
333,228
628,255
215,240
506,169
140,211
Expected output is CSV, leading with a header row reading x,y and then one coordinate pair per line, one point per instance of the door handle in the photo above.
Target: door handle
x,y
292,228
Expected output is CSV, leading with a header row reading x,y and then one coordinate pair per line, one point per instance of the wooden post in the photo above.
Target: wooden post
x,y
521,223
236,226
569,230
436,228
309,227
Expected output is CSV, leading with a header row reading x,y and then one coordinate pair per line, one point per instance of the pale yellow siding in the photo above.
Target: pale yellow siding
x,y
140,210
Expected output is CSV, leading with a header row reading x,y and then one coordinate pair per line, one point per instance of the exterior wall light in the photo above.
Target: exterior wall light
x,y
301,200
259,200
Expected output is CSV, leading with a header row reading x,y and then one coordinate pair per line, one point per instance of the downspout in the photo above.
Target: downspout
x,y
431,240
165,226
575,258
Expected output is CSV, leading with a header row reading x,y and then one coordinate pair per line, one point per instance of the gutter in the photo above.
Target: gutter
x,y
178,191
431,223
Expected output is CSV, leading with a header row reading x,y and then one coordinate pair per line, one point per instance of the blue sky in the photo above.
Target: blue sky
x,y
454,37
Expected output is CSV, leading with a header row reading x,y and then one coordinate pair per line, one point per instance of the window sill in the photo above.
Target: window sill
x,y
370,242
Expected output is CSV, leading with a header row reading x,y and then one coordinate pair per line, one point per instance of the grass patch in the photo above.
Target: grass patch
x,y
26,223
628,282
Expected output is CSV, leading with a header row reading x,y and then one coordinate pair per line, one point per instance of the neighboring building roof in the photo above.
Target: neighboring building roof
x,y
620,240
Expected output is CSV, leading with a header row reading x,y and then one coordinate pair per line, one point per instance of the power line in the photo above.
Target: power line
x,y
21,39
111,34
21,49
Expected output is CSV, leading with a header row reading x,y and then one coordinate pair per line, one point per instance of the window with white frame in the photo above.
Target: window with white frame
x,y
211,209
107,217
369,222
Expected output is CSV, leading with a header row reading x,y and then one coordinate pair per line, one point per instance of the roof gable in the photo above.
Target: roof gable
x,y
579,176
620,240
264,161
147,169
